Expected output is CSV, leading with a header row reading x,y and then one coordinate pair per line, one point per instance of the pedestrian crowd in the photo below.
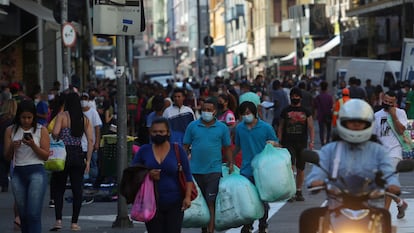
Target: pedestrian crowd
x,y
198,125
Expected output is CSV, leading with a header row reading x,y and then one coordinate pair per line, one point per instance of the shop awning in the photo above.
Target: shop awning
x,y
35,9
319,52
289,57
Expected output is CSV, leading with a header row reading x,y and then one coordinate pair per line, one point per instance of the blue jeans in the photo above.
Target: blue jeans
x,y
93,171
29,185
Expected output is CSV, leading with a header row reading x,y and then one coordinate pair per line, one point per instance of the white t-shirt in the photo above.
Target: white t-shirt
x,y
95,120
385,133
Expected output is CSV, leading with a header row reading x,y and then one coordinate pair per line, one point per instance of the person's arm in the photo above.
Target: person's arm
x,y
9,144
89,138
58,125
280,129
97,138
399,127
44,145
311,132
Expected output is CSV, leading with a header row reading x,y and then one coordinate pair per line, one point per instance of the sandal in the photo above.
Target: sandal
x,y
16,224
57,227
75,227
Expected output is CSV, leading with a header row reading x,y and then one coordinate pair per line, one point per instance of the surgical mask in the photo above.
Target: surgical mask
x,y
84,103
207,116
386,106
159,139
295,101
248,118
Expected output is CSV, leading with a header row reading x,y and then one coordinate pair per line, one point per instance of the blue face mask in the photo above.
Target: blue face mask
x,y
248,118
207,116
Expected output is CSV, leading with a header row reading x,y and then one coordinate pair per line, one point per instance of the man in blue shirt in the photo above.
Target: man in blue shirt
x,y
207,136
251,137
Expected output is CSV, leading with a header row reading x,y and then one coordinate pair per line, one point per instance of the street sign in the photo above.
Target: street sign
x,y
68,35
112,19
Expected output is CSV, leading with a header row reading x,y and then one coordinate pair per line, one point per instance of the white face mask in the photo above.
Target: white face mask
x,y
207,116
84,103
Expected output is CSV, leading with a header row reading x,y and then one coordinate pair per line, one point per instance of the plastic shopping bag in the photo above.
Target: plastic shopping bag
x,y
145,206
225,170
198,214
237,202
57,156
273,175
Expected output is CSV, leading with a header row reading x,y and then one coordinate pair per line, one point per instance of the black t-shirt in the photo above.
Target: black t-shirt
x,y
295,127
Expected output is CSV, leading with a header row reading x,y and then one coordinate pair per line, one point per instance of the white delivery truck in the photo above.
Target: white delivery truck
x,y
381,72
155,69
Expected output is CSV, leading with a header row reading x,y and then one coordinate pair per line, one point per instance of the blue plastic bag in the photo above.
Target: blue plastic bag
x,y
225,170
273,175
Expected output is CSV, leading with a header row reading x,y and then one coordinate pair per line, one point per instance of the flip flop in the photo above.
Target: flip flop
x,y
75,228
56,228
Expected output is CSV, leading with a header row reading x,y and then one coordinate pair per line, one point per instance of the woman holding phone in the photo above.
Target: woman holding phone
x,y
27,143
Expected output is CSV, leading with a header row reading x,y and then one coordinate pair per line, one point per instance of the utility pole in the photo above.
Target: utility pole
x,y
92,75
200,73
122,219
66,50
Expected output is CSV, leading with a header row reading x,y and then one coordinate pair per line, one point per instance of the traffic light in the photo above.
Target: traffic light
x,y
167,41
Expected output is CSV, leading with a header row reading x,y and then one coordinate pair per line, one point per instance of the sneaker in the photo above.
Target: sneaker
x,y
51,204
292,199
401,210
299,196
247,229
87,201
204,230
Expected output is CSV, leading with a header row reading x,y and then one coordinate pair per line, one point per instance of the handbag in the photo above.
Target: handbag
x,y
145,205
57,156
181,176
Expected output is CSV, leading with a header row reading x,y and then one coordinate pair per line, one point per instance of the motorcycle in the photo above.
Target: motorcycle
x,y
350,207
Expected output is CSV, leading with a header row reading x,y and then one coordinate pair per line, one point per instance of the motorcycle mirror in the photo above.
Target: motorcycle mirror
x,y
310,156
405,166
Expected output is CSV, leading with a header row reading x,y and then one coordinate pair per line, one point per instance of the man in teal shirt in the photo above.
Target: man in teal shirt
x,y
207,136
251,137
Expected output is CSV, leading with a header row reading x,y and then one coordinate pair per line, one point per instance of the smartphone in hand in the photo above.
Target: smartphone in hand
x,y
27,136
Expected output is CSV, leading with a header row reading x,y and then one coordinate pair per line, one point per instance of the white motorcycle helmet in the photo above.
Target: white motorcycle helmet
x,y
355,109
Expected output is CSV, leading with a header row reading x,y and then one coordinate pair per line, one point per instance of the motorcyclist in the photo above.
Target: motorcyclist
x,y
360,154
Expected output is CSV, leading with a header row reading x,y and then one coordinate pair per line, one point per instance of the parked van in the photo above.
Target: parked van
x,y
381,72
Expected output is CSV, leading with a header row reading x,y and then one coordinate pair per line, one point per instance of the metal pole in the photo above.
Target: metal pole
x,y
40,52
267,29
66,50
200,74
91,51
122,219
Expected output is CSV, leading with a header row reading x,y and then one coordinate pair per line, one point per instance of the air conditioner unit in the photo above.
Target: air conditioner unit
x,y
286,25
274,30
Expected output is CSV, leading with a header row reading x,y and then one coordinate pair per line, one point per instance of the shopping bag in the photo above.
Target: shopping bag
x,y
237,202
273,175
57,156
198,214
145,206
